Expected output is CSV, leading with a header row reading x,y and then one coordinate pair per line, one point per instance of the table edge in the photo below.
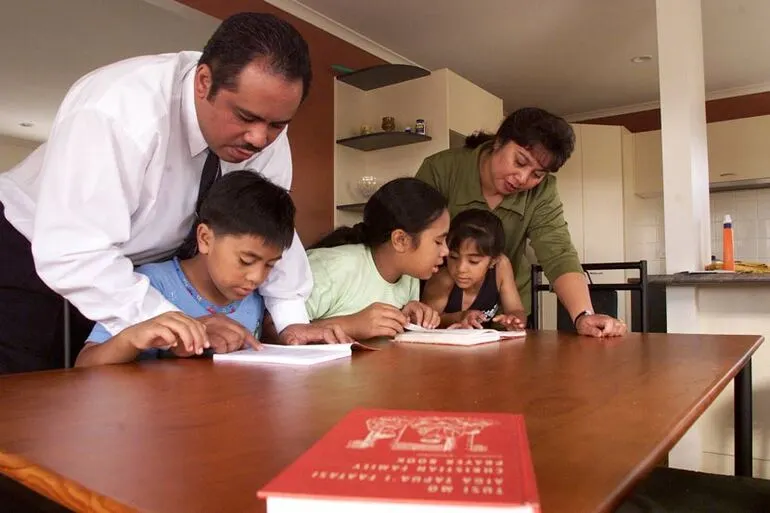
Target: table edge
x,y
677,432
64,491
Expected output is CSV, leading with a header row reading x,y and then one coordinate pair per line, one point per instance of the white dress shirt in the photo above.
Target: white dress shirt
x,y
115,186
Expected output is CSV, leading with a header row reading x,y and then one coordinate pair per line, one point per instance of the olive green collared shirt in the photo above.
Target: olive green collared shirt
x,y
536,215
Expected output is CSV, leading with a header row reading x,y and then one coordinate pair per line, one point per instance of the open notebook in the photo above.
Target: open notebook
x,y
292,355
456,337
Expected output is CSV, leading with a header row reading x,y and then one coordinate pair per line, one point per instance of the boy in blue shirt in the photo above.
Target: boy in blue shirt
x,y
246,222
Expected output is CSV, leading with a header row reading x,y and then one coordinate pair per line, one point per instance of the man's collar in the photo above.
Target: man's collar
x,y
189,116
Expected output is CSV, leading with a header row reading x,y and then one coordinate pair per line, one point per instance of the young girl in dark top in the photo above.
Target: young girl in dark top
x,y
476,287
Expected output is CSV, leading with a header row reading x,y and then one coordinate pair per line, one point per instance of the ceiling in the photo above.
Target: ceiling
x,y
569,56
42,55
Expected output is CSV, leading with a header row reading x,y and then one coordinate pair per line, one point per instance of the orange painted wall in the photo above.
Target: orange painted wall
x,y
716,110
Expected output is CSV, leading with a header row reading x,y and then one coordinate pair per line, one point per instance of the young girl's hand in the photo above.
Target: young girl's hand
x,y
472,319
512,322
421,314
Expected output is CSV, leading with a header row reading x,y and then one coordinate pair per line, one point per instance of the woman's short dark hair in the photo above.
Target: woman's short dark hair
x,y
482,227
531,127
407,204
245,37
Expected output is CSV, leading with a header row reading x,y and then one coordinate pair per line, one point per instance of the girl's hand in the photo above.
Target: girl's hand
x,y
421,314
512,322
471,319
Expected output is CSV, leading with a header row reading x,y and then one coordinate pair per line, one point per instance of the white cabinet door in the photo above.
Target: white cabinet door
x,y
602,194
603,226
569,182
648,164
739,149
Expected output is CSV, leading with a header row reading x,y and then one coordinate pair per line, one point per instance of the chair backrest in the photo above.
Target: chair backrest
x,y
603,295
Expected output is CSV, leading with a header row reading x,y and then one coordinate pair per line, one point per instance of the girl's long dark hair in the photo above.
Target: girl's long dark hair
x,y
407,204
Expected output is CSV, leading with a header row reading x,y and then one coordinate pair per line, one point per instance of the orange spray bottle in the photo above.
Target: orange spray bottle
x,y
728,248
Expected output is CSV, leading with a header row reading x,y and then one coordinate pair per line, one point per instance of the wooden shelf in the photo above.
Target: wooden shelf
x,y
352,207
380,140
380,76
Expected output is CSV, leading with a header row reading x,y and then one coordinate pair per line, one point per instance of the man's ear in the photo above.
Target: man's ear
x,y
202,83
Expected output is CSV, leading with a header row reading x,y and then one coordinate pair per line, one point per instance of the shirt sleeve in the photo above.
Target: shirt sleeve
x,y
291,281
90,181
319,303
99,335
429,174
550,237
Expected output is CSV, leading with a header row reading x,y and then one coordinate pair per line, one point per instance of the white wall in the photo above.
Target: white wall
x,y
750,211
13,151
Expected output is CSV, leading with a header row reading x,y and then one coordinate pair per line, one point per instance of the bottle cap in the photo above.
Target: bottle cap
x,y
728,219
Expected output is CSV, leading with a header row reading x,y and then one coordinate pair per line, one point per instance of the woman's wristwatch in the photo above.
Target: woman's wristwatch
x,y
581,314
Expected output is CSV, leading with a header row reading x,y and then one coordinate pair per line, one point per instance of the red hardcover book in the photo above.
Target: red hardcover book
x,y
395,461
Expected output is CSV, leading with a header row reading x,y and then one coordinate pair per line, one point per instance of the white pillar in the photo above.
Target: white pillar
x,y
685,172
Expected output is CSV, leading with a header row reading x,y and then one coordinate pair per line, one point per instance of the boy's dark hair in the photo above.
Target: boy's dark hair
x,y
408,204
246,203
248,36
482,227
531,127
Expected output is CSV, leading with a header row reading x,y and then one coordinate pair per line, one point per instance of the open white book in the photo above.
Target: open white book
x,y
289,355
456,337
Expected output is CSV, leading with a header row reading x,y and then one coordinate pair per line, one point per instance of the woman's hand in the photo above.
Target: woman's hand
x,y
600,326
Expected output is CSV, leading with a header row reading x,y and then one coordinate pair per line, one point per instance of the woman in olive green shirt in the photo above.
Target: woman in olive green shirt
x,y
511,174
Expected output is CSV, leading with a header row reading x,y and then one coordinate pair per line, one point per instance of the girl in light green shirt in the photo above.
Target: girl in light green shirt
x,y
366,278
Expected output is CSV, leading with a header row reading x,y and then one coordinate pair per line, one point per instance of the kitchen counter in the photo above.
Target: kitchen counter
x,y
705,278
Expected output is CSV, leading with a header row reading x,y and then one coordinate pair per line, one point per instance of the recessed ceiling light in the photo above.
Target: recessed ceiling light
x,y
641,58
26,124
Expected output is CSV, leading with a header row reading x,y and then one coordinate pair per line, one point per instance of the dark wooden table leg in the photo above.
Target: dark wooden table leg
x,y
743,421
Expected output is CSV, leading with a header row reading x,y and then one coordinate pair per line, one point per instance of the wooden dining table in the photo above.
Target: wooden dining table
x,y
204,436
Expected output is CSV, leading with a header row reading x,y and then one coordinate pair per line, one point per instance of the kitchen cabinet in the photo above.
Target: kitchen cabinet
x,y
738,149
591,190
451,106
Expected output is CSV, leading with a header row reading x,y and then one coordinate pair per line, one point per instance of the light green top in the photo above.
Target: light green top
x,y
345,281
536,214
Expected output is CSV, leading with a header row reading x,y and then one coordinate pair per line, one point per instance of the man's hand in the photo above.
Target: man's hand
x,y
601,326
300,334
171,329
421,314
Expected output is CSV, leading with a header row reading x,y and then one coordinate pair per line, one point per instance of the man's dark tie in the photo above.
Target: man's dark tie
x,y
211,171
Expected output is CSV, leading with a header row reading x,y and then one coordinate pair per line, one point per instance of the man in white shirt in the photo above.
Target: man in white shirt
x,y
116,185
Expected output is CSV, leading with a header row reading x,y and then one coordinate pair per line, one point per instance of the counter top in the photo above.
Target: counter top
x,y
706,278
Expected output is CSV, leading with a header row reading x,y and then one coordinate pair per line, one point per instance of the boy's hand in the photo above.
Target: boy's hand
x,y
171,329
300,334
421,314
513,321
226,335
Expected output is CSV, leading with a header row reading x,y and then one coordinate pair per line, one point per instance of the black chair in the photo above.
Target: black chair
x,y
604,296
